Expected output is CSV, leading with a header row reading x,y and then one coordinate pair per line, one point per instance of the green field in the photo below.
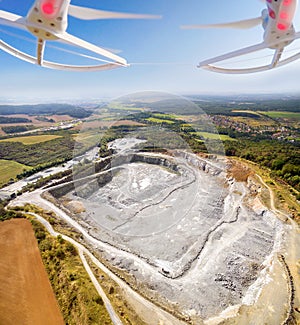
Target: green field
x,y
214,136
159,121
33,139
125,107
278,114
10,169
255,114
168,116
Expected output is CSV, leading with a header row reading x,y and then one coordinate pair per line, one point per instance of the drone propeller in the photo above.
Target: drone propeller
x,y
90,14
12,20
241,24
29,23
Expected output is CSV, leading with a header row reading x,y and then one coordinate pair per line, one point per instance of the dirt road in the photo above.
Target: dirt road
x,y
292,257
149,312
113,315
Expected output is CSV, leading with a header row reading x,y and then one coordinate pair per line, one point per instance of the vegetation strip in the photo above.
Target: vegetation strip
x,y
9,170
111,289
291,288
76,294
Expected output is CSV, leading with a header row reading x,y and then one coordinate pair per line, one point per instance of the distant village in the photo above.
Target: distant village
x,y
276,131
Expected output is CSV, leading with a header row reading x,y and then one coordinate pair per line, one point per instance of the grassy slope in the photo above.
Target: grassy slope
x,y
116,297
284,200
77,297
10,169
89,138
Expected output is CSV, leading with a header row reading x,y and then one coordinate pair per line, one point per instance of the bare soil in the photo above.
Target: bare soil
x,y
26,296
240,172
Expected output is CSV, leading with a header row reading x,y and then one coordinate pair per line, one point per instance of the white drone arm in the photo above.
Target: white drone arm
x,y
289,60
276,57
72,40
53,65
12,20
40,51
230,55
66,67
14,52
255,69
236,71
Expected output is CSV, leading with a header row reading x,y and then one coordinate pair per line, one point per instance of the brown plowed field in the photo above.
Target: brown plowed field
x,y
26,296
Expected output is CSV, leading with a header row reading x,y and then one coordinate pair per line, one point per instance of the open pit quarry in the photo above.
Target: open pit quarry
x,y
190,237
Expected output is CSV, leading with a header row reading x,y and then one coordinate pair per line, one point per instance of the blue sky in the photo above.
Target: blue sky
x,y
163,56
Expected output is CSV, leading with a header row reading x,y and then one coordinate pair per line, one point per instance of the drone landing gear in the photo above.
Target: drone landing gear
x,y
53,65
40,51
208,64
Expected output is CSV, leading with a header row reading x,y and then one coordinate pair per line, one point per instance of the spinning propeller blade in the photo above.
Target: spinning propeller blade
x,y
90,14
241,24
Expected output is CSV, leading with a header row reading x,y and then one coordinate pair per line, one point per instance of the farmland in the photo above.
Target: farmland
x,y
23,299
9,170
12,124
33,139
159,121
120,106
214,136
282,115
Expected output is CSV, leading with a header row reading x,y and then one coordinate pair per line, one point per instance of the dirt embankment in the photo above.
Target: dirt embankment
x,y
26,296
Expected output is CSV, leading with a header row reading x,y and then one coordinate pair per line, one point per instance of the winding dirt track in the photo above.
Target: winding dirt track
x,y
157,315
149,312
114,317
26,296
293,256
